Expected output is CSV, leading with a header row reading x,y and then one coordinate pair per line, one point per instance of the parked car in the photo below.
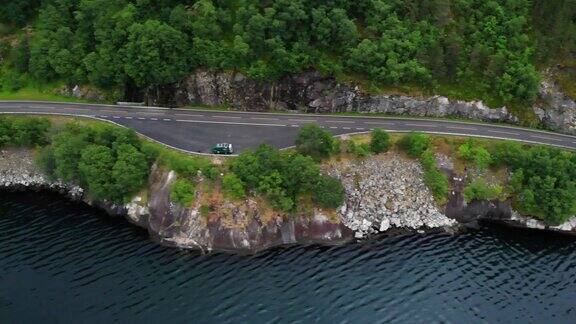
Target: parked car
x,y
223,148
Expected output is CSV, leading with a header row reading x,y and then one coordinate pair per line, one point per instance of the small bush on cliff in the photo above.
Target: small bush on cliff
x,y
183,192
480,190
329,192
315,142
475,153
380,141
435,180
415,144
233,186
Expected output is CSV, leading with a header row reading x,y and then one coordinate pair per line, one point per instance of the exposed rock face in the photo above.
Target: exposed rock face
x,y
238,227
386,191
311,92
557,111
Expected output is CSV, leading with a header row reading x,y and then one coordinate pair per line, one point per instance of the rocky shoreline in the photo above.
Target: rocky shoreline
x,y
384,194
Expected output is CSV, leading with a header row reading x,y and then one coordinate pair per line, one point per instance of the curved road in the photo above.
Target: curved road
x,y
197,130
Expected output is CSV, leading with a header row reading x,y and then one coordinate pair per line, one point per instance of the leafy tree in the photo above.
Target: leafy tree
x,y
415,144
472,152
130,171
314,142
155,54
233,186
95,170
183,191
329,192
480,190
380,141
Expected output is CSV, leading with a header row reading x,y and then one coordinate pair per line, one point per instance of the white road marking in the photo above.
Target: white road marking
x,y
227,123
346,128
104,116
295,126
129,117
263,118
340,122
166,119
501,132
231,117
189,115
141,118
421,125
334,127
153,118
464,128
116,117
379,123
547,138
304,120
360,128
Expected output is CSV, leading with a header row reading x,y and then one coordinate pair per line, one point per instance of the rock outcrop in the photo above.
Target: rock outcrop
x,y
312,92
556,110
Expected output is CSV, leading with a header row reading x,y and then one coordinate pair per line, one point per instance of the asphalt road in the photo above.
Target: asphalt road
x,y
198,130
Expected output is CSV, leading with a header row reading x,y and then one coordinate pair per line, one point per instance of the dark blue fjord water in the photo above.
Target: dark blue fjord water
x,y
61,262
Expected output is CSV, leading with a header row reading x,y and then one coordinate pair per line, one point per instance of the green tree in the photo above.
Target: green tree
x,y
233,186
155,54
183,192
329,192
415,144
95,170
314,142
380,141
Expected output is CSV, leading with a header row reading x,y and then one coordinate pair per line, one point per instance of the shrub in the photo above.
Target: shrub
x,y
182,192
23,131
233,186
415,144
480,190
478,155
435,180
315,142
329,192
359,150
380,141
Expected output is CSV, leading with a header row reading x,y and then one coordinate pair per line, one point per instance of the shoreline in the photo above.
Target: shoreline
x,y
171,225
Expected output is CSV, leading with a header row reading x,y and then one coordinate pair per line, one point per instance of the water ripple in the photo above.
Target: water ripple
x,y
63,262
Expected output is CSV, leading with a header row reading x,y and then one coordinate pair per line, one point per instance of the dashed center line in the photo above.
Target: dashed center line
x,y
129,117
263,118
230,117
340,122
153,118
462,128
547,138
303,120
189,115
379,123
227,123
501,132
421,125
167,119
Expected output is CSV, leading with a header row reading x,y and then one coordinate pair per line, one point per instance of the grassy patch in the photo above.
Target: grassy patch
x,y
37,94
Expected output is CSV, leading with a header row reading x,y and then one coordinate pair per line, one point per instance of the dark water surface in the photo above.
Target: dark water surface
x,y
62,262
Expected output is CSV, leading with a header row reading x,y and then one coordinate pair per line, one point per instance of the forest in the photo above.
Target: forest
x,y
493,48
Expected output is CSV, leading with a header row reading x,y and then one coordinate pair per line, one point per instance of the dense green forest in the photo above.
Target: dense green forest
x,y
490,48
